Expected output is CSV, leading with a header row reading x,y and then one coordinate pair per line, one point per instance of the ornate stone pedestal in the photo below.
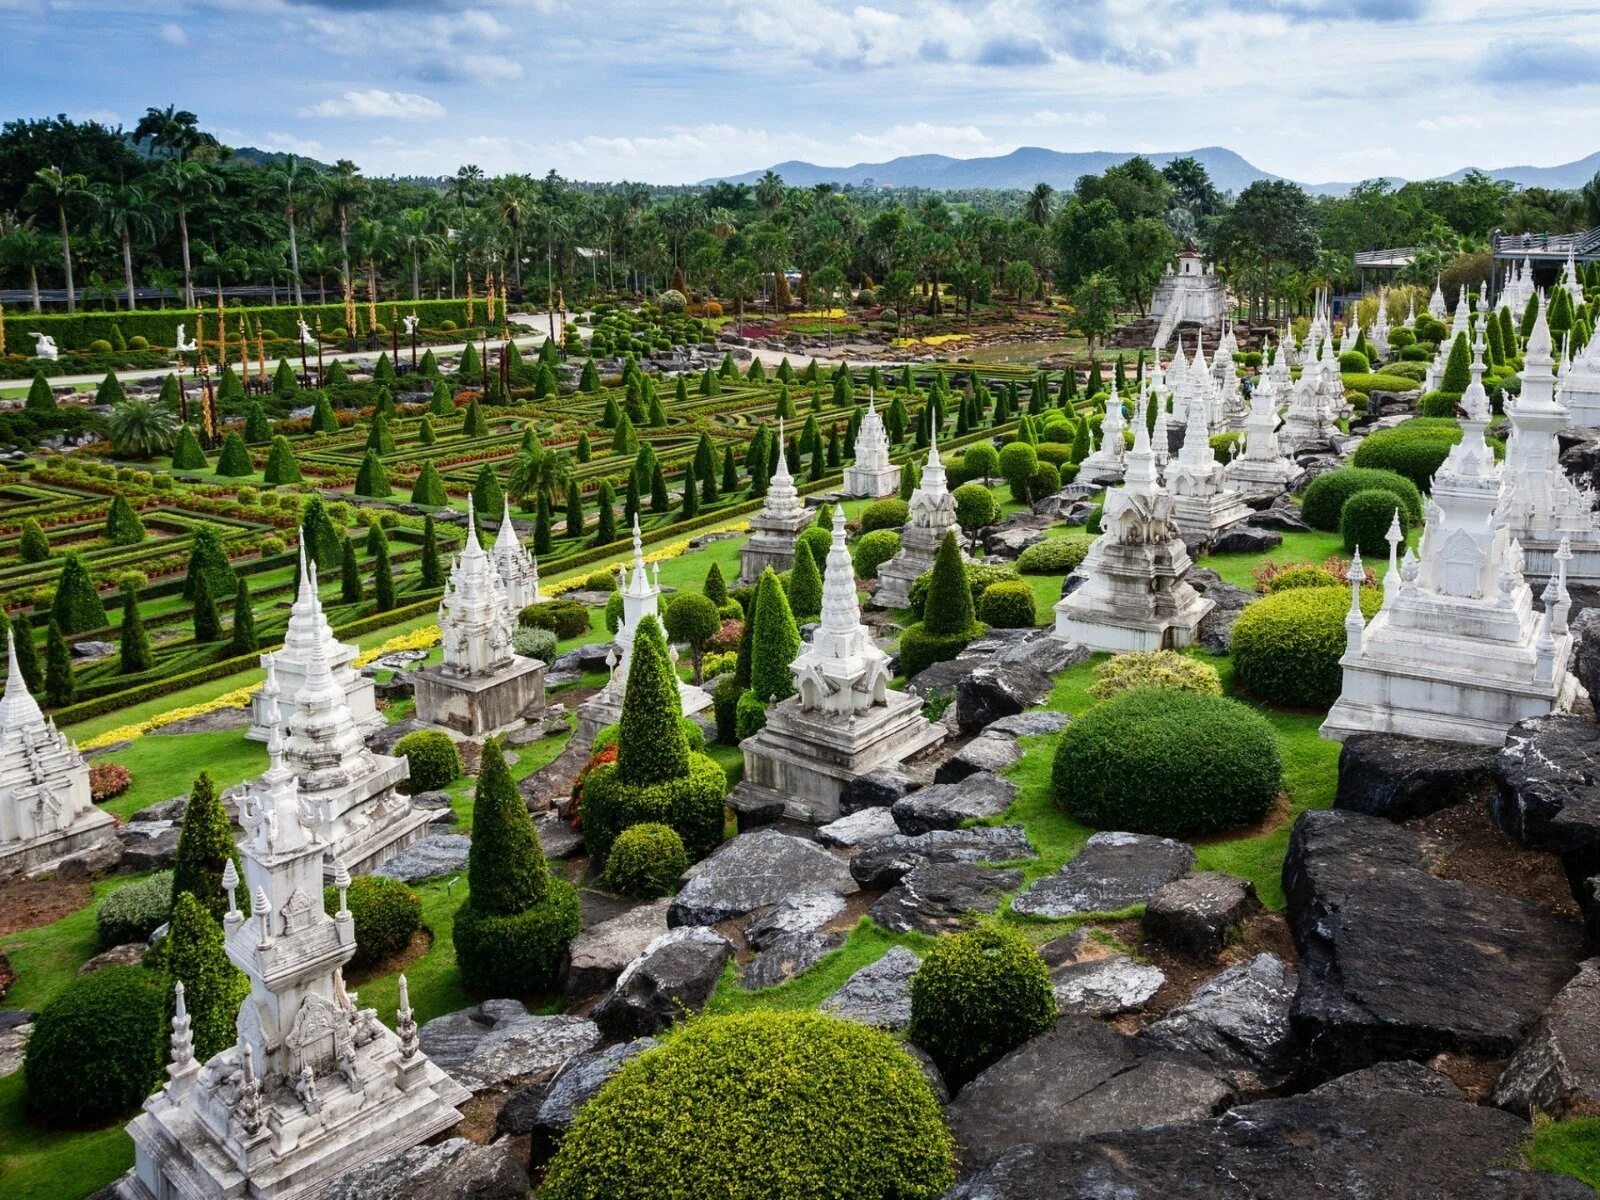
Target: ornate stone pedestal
x,y
774,530
1203,505
475,706
872,474
933,514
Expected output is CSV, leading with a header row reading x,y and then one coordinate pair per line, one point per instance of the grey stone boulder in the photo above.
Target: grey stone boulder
x,y
1283,517
147,846
1216,627
1246,539
756,870
858,829
939,897
1401,1075
788,956
498,1040
882,864
1194,915
577,1085
998,690
1384,775
876,789
451,1170
600,953
1397,963
557,838
99,859
989,754
432,856
1033,723
1239,1021
1112,872
15,1032
804,912
129,954
1105,987
949,805
672,979
1557,1070
1079,1077
879,993
1586,650
430,800
1547,789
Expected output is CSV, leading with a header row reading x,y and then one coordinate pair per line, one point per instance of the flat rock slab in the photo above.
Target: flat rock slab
x,y
990,754
756,870
1104,987
940,897
1237,1019
557,838
1112,872
789,956
1033,723
884,863
600,953
451,1170
879,993
499,1040
1547,784
948,805
1077,1078
859,828
1383,775
14,1045
672,979
583,1077
1557,1070
997,690
806,912
432,856
1395,963
1194,916
875,789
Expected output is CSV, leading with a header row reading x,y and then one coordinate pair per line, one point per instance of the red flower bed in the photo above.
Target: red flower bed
x,y
598,758
107,781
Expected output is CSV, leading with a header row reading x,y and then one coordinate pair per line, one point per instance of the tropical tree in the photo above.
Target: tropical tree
x,y
24,248
127,212
142,428
50,188
184,184
413,234
344,190
1037,206
172,132
296,182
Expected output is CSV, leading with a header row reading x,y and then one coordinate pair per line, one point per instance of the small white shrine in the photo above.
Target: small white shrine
x,y
308,626
1203,504
1190,291
1456,652
1436,305
1105,462
641,597
1378,335
933,514
775,529
316,1085
1310,422
842,722
1580,387
516,566
1135,596
1263,471
46,811
871,474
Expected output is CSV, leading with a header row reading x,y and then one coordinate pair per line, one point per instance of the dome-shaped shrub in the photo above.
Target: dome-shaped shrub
x,y
1054,556
435,762
1008,605
977,996
781,1106
1324,498
98,1048
671,301
1154,668
134,911
1414,448
1300,575
1353,362
645,861
1178,764
1365,520
884,514
1287,646
1439,404
872,550
387,913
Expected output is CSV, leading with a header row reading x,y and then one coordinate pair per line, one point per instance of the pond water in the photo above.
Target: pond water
x,y
1018,352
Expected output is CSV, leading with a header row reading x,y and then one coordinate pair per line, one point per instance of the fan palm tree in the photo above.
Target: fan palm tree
x,y
295,181
24,248
171,131
52,188
345,190
127,212
184,184
769,193
414,235
1037,206
142,428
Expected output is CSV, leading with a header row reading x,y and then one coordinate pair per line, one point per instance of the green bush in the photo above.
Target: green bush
x,y
1167,762
387,914
1364,522
1008,605
135,911
920,649
564,618
750,715
434,760
885,514
517,953
692,734
194,954
645,861
980,577
1154,668
692,804
1353,362
76,605
1287,646
977,996
872,550
1054,556
600,581
781,1106
1439,404
1324,499
1301,575
98,1048
535,643
725,699
1414,448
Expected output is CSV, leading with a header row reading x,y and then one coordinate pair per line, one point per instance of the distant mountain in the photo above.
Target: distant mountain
x,y
1028,165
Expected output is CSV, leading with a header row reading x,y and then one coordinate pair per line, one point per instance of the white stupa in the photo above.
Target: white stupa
x,y
871,474
933,514
1579,390
1309,423
518,569
1263,471
775,529
1203,505
46,811
1105,462
1436,305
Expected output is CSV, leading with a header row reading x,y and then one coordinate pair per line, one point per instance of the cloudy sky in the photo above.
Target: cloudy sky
x,y
677,90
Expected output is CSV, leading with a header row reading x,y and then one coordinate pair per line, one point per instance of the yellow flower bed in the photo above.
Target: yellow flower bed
x,y
237,698
418,639
824,314
933,339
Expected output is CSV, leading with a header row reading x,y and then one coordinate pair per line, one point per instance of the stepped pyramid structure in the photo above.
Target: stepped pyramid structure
x,y
482,685
518,569
366,821
1136,596
641,597
308,626
1203,505
46,811
933,514
1106,461
1263,471
774,530
1456,652
315,1085
843,720
872,474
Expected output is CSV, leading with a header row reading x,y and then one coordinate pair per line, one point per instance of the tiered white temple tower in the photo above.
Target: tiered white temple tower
x,y
1105,463
1580,386
518,569
1263,471
482,685
45,808
1456,652
1135,596
774,530
933,514
1309,422
309,626
1203,505
315,1085
872,474
641,597
843,720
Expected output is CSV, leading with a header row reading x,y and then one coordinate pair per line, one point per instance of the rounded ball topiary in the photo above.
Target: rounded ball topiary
x,y
1324,498
521,952
1353,362
977,996
1154,668
784,1106
1007,605
435,762
1365,521
564,618
1301,575
884,514
872,550
1287,646
98,1048
1439,404
671,301
1054,555
1178,764
645,861
1414,448
691,804
387,915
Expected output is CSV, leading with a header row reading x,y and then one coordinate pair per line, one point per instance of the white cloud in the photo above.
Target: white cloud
x,y
173,35
288,143
377,104
1049,116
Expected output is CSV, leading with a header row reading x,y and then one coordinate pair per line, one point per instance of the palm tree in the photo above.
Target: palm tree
x,y
513,196
127,212
24,248
769,193
142,428
317,259
371,240
345,189
232,262
413,234
1037,206
183,184
172,131
294,180
51,188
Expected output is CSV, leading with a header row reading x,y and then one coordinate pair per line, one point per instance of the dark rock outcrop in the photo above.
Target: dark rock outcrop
x,y
937,897
673,978
1384,775
1112,872
1193,916
1547,780
1557,1070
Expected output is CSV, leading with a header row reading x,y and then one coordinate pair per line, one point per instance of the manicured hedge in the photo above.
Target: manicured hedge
x,y
1008,605
434,759
521,952
98,1048
1287,646
1324,499
872,550
1415,448
387,914
1366,519
691,804
1054,556
135,911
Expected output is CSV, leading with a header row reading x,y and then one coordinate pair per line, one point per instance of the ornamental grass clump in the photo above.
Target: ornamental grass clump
x,y
1287,645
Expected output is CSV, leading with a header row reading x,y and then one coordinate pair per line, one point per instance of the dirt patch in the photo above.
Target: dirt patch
x,y
1462,844
1473,1075
1279,815
421,942
30,903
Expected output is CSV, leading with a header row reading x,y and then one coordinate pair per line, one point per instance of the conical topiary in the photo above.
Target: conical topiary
x,y
234,461
774,642
284,382
59,684
805,583
715,587
378,436
109,391
429,570
257,429
323,418
33,546
187,454
123,526
382,578
429,487
243,639
506,871
442,404
195,956
948,609
475,425
349,574
282,467
27,653
206,557
76,606
487,495
207,624
40,397
1458,367
133,644
651,746
205,844
372,480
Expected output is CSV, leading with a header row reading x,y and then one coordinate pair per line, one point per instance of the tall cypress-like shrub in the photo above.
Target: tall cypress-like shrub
x,y
606,517
430,572
206,557
475,424
123,526
776,642
715,587
442,404
382,578
234,461
205,844
207,624
379,436
187,454
322,541
541,522
27,653
1458,367
487,496
76,607
372,479
574,509
59,685
213,988
243,639
805,583
34,546
349,574
133,644
949,606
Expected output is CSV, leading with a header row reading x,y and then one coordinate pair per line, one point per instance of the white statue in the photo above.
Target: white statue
x,y
183,347
410,322
44,346
305,331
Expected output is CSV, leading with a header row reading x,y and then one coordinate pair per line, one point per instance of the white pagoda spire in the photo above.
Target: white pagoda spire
x,y
476,619
518,569
840,670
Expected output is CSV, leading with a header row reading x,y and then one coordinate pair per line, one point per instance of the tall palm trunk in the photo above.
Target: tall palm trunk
x,y
516,265
66,257
294,259
344,244
416,277
33,286
183,237
127,269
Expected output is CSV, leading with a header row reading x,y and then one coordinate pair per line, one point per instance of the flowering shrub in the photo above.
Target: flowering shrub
x,y
607,754
237,698
107,781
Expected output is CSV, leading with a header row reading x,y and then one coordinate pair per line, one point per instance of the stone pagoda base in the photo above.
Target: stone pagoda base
x,y
358,693
865,483
1539,560
90,829
768,547
800,761
475,706
1198,519
919,547
599,711
1135,599
1257,482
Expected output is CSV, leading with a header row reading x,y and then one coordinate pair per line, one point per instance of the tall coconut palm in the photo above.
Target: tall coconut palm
x,y
769,193
370,240
414,235
24,248
1037,206
345,188
513,197
184,184
317,259
127,212
142,428
295,182
51,188
172,132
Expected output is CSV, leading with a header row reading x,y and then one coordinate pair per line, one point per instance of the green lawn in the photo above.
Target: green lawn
x,y
47,1164
46,959
164,765
1567,1148
1297,547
